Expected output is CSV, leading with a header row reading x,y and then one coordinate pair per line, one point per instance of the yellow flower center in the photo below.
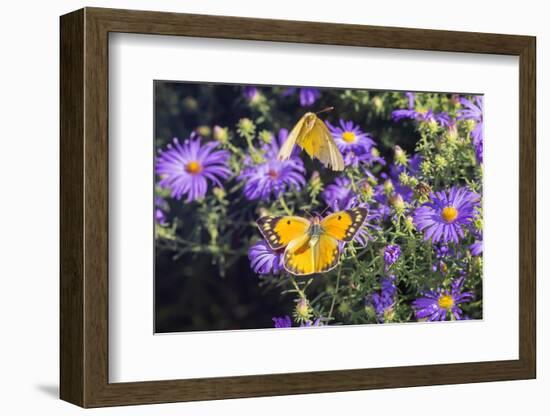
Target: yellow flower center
x,y
193,167
449,214
349,137
446,301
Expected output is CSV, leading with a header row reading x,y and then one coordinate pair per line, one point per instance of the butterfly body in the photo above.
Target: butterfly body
x,y
312,135
311,246
315,231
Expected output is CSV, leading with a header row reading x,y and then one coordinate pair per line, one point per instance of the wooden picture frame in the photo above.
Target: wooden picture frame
x,y
84,207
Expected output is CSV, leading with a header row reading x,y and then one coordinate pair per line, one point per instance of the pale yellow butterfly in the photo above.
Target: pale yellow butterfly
x,y
312,135
311,246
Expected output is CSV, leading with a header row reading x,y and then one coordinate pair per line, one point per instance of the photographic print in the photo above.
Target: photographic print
x,y
299,207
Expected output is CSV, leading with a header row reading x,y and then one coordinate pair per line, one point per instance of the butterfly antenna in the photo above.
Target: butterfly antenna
x,y
322,212
308,213
324,110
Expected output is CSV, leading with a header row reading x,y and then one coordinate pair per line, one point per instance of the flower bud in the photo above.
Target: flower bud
x,y
432,126
426,167
452,134
471,124
478,224
377,103
371,313
396,201
221,134
246,127
302,310
204,131
409,224
388,187
266,136
252,94
367,189
344,308
400,156
404,178
440,162
389,314
219,193
190,104
315,179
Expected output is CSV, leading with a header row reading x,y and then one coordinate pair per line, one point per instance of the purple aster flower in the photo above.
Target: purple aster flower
x,y
310,323
478,147
428,115
282,322
339,195
160,217
474,111
441,304
160,211
444,217
274,176
350,138
443,251
186,168
308,96
476,249
251,93
382,302
392,252
264,260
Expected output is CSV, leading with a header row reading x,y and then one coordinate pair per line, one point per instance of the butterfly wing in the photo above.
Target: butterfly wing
x,y
318,143
280,231
343,225
303,256
329,155
286,149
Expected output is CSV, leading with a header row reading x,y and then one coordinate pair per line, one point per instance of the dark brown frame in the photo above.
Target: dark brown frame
x,y
84,208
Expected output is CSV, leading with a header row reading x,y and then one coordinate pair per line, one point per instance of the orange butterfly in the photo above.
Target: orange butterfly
x,y
311,246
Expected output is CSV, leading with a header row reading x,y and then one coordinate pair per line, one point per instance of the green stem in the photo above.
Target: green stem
x,y
335,293
296,287
284,205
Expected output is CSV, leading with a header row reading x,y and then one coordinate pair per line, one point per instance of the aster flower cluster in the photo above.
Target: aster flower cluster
x,y
355,145
413,160
271,177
